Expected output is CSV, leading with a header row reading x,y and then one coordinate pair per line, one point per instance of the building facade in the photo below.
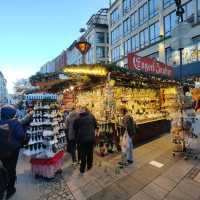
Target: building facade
x,y
56,64
3,89
145,27
96,34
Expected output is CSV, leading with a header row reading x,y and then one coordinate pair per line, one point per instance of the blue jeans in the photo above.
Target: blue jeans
x,y
129,150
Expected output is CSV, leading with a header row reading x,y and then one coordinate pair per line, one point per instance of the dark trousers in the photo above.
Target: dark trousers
x,y
72,149
10,165
86,153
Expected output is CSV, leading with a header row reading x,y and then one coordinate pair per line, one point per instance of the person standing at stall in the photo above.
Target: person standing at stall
x,y
84,127
72,144
130,127
14,139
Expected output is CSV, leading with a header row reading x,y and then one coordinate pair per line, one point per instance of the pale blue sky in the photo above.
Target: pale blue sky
x,y
33,32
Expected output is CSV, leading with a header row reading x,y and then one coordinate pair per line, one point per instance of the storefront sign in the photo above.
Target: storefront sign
x,y
148,65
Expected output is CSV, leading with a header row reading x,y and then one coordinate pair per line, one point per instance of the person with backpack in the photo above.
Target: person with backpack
x,y
11,138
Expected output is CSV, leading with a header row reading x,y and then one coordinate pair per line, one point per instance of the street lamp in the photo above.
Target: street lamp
x,y
180,35
83,46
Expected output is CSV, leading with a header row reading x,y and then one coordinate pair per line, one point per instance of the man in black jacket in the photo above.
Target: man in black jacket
x,y
84,127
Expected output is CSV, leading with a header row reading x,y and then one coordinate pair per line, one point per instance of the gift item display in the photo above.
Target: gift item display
x,y
181,126
170,100
46,132
144,104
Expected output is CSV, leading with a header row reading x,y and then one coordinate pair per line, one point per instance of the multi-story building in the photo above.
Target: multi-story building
x,y
3,89
145,27
56,64
97,35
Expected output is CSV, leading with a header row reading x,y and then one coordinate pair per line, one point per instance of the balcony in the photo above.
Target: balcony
x,y
100,18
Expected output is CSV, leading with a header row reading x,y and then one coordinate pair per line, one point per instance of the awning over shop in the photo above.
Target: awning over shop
x,y
188,70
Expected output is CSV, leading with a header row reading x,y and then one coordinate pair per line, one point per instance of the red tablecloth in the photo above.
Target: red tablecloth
x,y
49,161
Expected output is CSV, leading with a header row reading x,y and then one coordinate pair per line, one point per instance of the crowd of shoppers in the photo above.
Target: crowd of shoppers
x,y
81,127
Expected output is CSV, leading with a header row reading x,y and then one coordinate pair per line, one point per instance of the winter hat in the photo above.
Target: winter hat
x,y
8,112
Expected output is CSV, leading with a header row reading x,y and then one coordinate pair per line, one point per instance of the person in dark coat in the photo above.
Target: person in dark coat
x,y
84,127
17,136
130,125
73,115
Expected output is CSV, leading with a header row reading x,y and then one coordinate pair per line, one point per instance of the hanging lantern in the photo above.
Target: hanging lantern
x,y
83,46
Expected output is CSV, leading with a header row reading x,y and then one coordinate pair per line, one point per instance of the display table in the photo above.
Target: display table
x,y
47,168
150,129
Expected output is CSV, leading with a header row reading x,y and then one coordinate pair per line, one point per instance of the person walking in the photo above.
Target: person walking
x,y
84,127
72,144
130,129
16,137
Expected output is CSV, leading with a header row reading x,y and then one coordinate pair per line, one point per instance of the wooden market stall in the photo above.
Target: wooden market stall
x,y
105,89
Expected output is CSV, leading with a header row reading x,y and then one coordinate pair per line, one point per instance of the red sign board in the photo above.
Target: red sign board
x,y
148,65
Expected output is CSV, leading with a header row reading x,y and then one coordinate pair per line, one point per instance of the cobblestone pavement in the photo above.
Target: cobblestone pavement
x,y
167,177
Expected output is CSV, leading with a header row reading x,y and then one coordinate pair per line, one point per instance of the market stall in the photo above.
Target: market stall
x,y
47,135
149,99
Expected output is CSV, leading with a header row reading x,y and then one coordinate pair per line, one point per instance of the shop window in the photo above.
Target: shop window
x,y
154,32
135,43
127,47
170,22
167,3
100,38
168,56
134,20
100,52
144,38
127,26
153,8
143,13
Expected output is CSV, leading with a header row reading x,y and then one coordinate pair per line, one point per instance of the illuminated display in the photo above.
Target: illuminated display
x,y
87,70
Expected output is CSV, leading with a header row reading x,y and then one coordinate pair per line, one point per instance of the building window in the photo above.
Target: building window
x,y
115,16
127,26
198,8
144,38
100,38
115,53
134,20
167,3
188,10
153,8
126,6
135,43
168,56
127,47
170,22
143,13
116,34
100,52
154,32
154,55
